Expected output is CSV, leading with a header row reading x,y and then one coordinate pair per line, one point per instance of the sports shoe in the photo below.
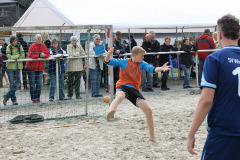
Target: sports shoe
x,y
145,90
5,100
35,101
156,86
15,103
150,90
79,97
64,99
165,88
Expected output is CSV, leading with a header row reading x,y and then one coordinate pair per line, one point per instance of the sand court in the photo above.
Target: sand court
x,y
125,137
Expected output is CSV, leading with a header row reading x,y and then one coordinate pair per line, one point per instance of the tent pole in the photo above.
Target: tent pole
x,y
177,55
130,50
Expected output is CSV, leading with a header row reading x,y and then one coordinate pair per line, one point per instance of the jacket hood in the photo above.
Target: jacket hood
x,y
203,36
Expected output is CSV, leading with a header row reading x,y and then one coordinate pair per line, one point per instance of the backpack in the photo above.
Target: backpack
x,y
27,119
19,49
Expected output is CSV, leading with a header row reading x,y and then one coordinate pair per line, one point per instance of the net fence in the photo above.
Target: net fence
x,y
57,72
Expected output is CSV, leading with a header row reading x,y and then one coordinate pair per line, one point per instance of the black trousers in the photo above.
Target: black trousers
x,y
116,76
164,79
74,83
24,75
155,75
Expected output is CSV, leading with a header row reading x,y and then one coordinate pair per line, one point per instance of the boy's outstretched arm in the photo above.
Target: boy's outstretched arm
x,y
203,107
110,51
164,68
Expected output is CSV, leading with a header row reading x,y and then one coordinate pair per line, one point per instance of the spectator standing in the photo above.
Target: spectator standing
x,y
95,66
117,53
75,67
155,63
204,42
147,77
132,41
47,42
186,61
56,52
25,48
216,41
4,45
166,47
14,52
122,42
35,68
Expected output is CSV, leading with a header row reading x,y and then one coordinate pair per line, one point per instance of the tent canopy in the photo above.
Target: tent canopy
x,y
127,13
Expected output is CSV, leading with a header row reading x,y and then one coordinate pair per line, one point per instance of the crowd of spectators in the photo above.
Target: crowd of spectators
x,y
43,48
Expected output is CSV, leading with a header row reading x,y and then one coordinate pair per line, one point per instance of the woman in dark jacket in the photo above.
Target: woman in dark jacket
x,y
186,61
56,52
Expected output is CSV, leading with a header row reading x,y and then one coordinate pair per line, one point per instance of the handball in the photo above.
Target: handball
x,y
106,99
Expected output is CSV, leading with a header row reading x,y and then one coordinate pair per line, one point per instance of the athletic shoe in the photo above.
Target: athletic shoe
x,y
79,97
165,88
15,103
5,100
35,101
156,86
63,99
145,90
150,90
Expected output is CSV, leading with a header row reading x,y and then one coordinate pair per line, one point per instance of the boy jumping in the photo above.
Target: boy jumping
x,y
129,82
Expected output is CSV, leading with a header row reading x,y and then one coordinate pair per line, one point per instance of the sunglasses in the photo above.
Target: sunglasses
x,y
97,39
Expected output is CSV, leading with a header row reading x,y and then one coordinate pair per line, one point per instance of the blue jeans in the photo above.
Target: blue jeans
x,y
53,85
35,83
201,64
95,76
146,76
12,77
187,73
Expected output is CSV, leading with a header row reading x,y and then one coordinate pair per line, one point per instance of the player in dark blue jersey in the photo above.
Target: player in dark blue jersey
x,y
220,98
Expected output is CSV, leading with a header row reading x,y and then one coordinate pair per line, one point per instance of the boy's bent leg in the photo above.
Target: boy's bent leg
x,y
120,95
141,103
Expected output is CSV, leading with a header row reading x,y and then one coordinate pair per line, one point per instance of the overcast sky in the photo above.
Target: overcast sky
x,y
146,12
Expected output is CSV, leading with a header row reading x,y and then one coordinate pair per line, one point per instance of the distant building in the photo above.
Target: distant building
x,y
10,12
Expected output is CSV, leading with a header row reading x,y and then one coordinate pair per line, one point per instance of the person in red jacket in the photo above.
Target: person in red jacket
x,y
35,68
204,42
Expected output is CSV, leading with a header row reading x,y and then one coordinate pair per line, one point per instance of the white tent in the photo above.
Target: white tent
x,y
127,13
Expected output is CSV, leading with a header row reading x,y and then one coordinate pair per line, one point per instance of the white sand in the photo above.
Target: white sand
x,y
126,137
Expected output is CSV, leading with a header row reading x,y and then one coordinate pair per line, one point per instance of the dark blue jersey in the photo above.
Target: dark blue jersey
x,y
222,73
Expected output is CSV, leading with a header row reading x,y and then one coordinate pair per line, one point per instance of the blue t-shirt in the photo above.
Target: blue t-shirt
x,y
222,73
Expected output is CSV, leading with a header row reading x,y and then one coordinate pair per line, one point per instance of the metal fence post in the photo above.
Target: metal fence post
x,y
196,69
57,78
86,109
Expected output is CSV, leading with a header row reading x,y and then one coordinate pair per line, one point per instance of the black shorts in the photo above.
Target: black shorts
x,y
131,93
